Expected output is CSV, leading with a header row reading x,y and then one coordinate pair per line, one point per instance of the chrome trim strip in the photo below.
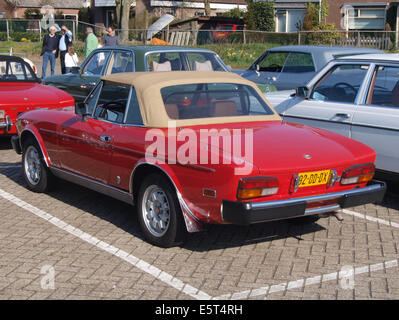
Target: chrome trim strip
x,y
7,125
322,209
93,184
323,197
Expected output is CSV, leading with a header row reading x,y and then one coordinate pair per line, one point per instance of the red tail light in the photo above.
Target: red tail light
x,y
249,188
358,174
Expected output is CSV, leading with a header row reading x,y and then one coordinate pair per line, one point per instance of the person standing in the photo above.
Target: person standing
x,y
110,39
65,42
71,59
50,50
91,41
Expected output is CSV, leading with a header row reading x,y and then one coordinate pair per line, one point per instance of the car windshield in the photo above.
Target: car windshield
x,y
15,71
183,61
207,100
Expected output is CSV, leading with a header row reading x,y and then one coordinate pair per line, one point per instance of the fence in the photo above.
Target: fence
x,y
31,30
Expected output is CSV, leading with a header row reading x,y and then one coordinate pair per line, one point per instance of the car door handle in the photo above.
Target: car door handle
x,y
105,139
343,115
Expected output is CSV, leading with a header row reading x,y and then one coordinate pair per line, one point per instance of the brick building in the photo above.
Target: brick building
x,y
16,9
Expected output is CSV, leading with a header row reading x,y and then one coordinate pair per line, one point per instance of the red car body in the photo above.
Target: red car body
x,y
111,157
222,31
20,91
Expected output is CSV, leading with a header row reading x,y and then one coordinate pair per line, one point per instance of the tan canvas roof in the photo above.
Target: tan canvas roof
x,y
148,87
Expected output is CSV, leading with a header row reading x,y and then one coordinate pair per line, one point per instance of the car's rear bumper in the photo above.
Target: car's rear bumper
x,y
15,144
245,213
6,124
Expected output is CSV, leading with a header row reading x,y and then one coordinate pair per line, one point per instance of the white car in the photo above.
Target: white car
x,y
356,96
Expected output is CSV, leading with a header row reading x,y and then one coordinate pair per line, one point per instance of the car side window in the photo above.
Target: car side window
x,y
91,100
273,62
122,62
341,83
96,64
111,105
134,114
164,61
298,62
203,61
384,89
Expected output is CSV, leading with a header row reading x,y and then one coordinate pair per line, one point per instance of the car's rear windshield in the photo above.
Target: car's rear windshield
x,y
15,71
208,100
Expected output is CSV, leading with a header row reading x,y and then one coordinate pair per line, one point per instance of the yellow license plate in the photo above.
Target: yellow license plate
x,y
315,178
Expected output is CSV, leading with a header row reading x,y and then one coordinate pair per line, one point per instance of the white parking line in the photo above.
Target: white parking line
x,y
188,289
373,219
264,291
140,264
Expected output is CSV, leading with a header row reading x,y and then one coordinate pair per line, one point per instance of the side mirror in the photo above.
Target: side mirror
x,y
302,92
82,108
75,70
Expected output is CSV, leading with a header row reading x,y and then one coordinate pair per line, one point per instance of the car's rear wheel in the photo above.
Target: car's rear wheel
x,y
36,174
159,212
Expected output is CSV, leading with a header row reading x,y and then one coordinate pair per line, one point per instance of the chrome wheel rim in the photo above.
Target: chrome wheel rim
x,y
32,164
156,211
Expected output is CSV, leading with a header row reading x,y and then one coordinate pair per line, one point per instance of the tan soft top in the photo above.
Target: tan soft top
x,y
148,87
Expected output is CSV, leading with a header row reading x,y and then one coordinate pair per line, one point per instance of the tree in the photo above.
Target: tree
x,y
311,19
234,13
124,21
260,15
207,4
32,13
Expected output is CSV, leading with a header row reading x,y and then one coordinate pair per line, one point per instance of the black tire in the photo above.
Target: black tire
x,y
167,228
42,180
304,220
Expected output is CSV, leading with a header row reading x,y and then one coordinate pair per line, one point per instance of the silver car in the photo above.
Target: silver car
x,y
356,96
291,66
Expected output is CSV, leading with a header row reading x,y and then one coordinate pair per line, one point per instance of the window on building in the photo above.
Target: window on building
x,y
366,18
289,20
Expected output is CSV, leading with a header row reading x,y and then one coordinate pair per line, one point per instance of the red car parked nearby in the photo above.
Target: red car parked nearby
x,y
222,31
20,91
189,148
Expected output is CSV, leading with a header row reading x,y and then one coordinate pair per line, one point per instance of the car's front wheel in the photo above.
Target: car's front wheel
x,y
36,174
159,212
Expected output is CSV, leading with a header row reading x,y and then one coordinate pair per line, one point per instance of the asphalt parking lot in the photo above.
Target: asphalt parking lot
x,y
73,243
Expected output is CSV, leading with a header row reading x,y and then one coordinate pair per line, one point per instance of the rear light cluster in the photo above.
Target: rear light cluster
x,y
358,174
250,188
255,187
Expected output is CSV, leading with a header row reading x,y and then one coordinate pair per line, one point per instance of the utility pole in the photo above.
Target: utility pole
x,y
320,12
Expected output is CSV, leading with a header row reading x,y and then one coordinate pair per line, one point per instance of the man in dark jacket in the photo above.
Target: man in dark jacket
x,y
64,43
50,50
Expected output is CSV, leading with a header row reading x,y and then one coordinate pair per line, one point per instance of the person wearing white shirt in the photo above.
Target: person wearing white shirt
x,y
64,43
71,59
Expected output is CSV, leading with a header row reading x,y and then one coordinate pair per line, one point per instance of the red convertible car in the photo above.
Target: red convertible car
x,y
189,148
20,90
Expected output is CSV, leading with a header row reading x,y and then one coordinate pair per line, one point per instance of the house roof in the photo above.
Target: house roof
x,y
57,4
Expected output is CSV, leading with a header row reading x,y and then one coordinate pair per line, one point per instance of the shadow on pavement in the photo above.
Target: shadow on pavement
x,y
123,216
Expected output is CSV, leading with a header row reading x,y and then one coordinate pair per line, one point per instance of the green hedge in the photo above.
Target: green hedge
x,y
20,36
